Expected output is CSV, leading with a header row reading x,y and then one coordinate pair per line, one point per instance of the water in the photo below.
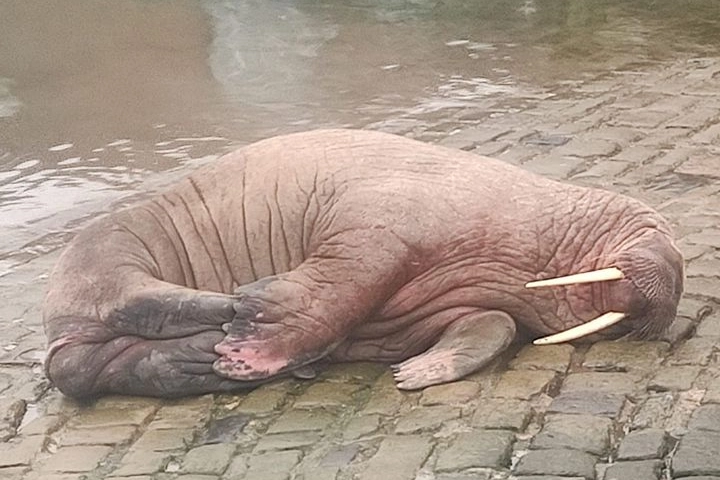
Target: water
x,y
102,100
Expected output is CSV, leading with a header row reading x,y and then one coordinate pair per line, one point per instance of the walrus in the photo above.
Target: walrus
x,y
348,245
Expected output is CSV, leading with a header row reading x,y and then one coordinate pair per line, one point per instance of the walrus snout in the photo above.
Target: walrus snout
x,y
656,277
638,291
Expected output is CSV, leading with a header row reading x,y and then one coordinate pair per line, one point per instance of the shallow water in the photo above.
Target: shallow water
x,y
100,100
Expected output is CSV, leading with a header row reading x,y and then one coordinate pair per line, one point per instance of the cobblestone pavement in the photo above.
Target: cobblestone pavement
x,y
640,411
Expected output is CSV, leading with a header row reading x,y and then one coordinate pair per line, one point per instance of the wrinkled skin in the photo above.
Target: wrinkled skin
x,y
344,245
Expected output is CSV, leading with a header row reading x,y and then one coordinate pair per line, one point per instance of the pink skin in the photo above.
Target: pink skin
x,y
346,246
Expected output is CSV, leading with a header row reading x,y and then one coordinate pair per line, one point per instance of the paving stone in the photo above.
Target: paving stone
x,y
636,154
490,149
604,172
705,266
182,415
641,118
701,165
302,420
695,351
141,462
583,106
674,379
340,456
505,414
41,425
478,475
223,429
326,464
100,418
12,414
364,373
545,139
208,459
20,450
691,251
698,116
706,417
601,382
644,444
455,393
385,398
12,473
588,402
699,477
469,138
261,401
686,403
582,432
272,466
41,475
399,457
426,418
548,357
286,441
587,146
546,477
360,426
697,454
163,440
707,136
712,390
196,477
76,459
237,468
523,384
709,326
557,462
327,395
636,100
637,470
477,449
625,356
708,236
620,135
679,330
106,436
517,154
554,166
706,287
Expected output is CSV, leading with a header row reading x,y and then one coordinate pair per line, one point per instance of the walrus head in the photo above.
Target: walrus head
x,y
644,285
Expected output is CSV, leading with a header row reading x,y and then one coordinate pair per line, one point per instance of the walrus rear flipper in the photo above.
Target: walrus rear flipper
x,y
136,366
157,341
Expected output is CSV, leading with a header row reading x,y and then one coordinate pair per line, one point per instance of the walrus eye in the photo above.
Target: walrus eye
x,y
602,275
603,321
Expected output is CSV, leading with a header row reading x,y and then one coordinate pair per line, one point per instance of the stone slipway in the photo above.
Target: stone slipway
x,y
626,411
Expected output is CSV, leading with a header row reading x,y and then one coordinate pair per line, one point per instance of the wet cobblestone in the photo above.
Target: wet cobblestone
x,y
613,410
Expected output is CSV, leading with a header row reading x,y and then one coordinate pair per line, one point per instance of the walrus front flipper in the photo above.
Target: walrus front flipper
x,y
290,320
467,345
163,310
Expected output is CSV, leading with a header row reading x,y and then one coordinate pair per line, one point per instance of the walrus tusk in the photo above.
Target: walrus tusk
x,y
603,321
603,275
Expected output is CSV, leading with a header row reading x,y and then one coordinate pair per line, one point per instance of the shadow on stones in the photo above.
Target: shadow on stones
x,y
223,430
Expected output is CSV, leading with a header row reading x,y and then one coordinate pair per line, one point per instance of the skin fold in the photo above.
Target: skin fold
x,y
345,245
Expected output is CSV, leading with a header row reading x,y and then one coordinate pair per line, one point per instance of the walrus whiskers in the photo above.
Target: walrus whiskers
x,y
603,321
602,275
